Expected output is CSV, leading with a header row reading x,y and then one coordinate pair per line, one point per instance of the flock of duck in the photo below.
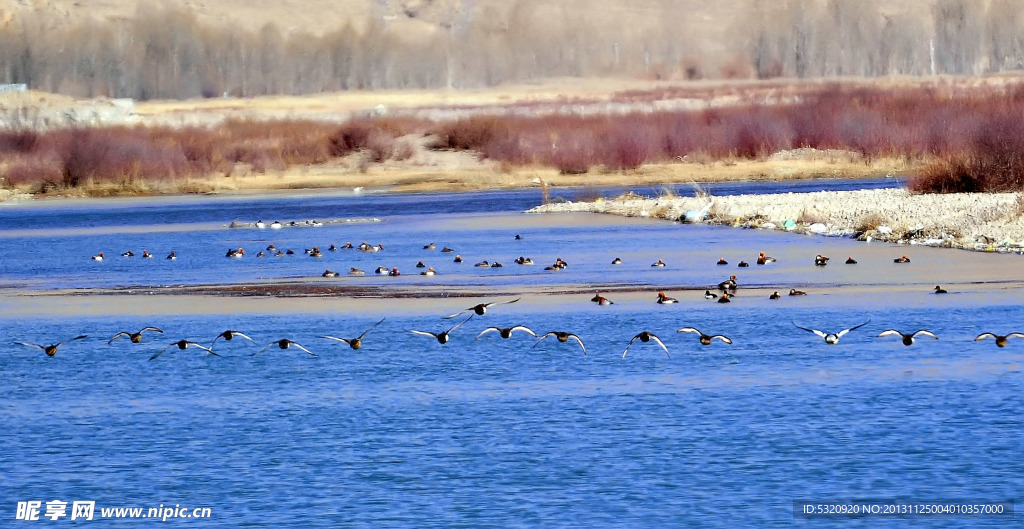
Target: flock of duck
x,y
444,336
724,294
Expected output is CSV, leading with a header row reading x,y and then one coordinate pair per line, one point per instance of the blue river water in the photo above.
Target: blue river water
x,y
488,432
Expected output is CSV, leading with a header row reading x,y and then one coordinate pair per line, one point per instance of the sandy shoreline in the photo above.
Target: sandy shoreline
x,y
974,221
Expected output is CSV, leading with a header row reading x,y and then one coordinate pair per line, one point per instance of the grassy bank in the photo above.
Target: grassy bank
x,y
947,137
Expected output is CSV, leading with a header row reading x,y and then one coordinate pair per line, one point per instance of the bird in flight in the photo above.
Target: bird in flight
x,y
908,339
135,337
506,332
481,308
182,345
832,338
645,337
705,339
50,350
284,344
357,342
230,335
563,337
442,338
1000,340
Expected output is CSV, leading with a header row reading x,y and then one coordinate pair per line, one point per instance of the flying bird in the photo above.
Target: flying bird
x,y
481,308
506,332
283,344
908,339
563,337
356,343
645,337
135,337
832,338
230,335
705,339
442,338
51,350
1000,340
182,345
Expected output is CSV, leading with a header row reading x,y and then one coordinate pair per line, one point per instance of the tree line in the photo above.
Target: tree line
x,y
165,52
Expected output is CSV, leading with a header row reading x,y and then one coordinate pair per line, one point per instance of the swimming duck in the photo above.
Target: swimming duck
x,y
357,342
506,332
518,237
483,264
289,252
347,246
763,259
315,252
775,295
851,260
710,295
659,264
375,248
275,225
146,254
260,224
428,272
743,264
51,350
283,344
645,337
280,253
98,257
129,253
394,272
430,246
795,292
940,290
563,337
356,272
601,300
496,264
172,256
908,339
446,250
235,253
820,260
728,284
230,335
135,337
664,300
420,264
329,273
271,248
261,254
332,248
705,339
182,345
442,338
382,271
832,338
903,259
616,261
524,261
1000,340
726,298
481,308
722,261
458,259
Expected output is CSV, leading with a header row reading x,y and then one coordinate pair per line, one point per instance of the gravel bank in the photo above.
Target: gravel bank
x,y
975,221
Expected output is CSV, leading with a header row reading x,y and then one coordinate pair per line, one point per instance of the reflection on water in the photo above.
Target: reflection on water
x,y
406,431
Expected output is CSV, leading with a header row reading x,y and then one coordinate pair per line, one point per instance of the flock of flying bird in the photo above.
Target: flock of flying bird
x,y
727,290
480,309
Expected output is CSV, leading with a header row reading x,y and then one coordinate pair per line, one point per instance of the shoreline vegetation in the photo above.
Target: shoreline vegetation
x,y
945,134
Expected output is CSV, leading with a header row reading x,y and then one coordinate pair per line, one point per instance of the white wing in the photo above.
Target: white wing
x,y
890,332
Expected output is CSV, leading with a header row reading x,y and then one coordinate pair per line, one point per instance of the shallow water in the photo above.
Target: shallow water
x,y
491,432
